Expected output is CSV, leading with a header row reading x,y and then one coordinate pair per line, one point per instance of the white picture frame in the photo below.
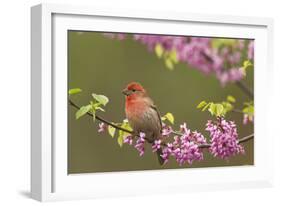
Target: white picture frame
x,y
49,178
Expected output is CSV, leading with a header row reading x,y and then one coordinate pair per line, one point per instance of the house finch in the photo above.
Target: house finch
x,y
142,114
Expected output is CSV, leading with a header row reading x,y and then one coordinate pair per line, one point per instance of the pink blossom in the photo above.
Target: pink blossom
x,y
156,145
184,148
232,75
166,152
102,127
128,140
224,138
140,143
251,50
166,130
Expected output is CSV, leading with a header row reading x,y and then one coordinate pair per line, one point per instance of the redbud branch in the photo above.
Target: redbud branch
x,y
237,111
240,84
101,119
107,122
177,133
243,139
246,138
245,89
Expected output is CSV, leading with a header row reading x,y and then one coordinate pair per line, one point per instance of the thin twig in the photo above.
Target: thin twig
x,y
177,133
243,139
245,89
237,111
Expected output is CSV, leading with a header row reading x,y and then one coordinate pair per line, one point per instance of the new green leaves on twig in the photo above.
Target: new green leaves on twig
x,y
249,109
217,109
101,99
121,135
96,104
246,65
83,110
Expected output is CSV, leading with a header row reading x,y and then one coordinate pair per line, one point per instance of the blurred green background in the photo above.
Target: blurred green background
x,y
97,64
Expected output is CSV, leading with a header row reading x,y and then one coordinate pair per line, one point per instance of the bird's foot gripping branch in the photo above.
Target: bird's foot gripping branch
x,y
185,145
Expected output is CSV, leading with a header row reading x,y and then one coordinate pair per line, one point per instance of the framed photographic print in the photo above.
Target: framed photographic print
x,y
135,102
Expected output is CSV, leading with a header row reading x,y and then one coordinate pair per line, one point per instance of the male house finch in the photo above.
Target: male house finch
x,y
142,114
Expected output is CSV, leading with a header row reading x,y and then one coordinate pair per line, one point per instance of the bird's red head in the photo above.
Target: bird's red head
x,y
134,90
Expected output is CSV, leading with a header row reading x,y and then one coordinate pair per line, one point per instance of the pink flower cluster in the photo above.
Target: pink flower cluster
x,y
199,53
224,138
185,147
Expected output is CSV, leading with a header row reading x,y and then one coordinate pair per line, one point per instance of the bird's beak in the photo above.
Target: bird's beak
x,y
126,92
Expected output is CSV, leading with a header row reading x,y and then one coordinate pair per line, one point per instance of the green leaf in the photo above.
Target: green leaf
x,y
249,110
173,56
100,98
219,110
206,106
120,138
170,117
247,64
159,50
83,110
74,91
227,106
201,104
231,99
216,109
212,109
111,130
126,125
169,64
121,133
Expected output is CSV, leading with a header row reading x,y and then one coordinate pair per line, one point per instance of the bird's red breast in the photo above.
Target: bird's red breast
x,y
136,106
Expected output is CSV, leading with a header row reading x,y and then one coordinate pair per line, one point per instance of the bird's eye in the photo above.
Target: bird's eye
x,y
133,90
